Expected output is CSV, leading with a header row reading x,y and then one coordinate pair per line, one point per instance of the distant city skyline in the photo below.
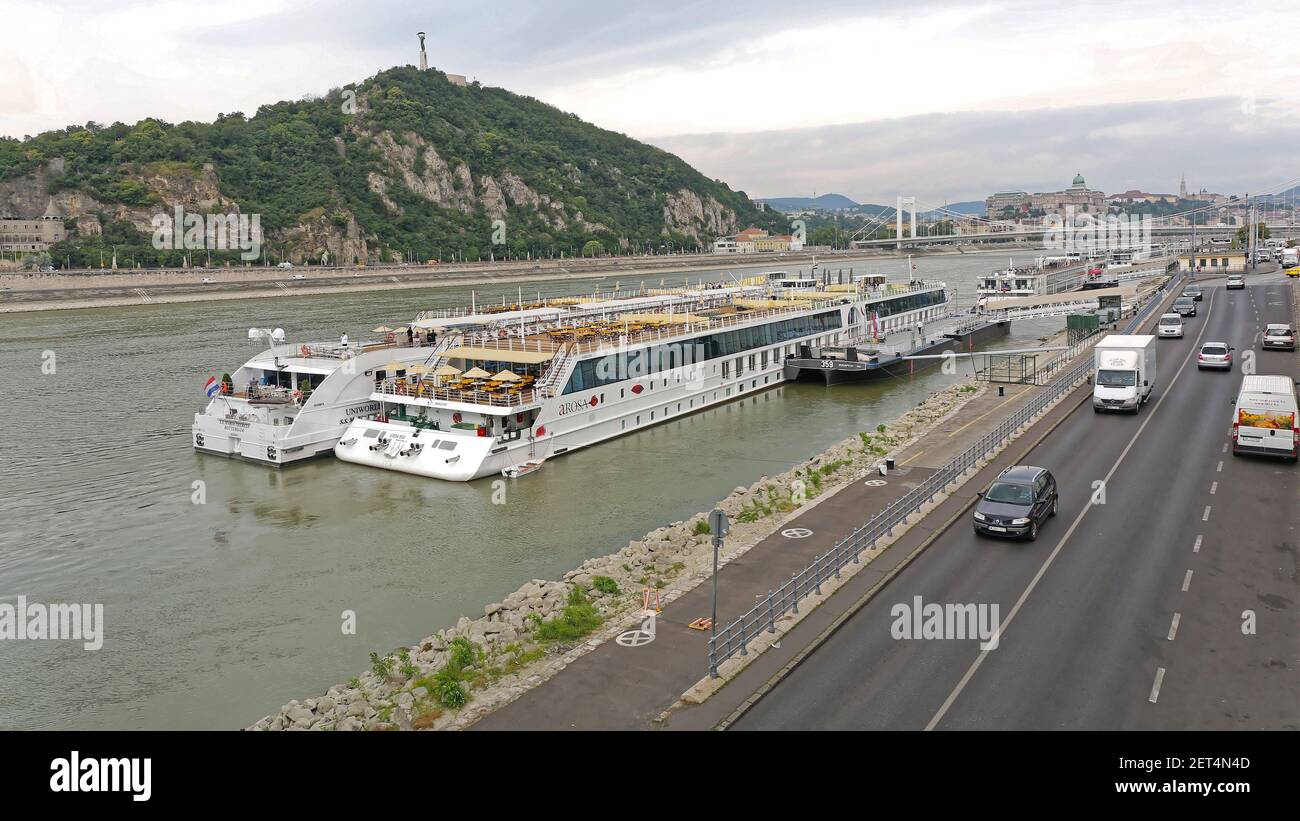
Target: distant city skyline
x,y
963,100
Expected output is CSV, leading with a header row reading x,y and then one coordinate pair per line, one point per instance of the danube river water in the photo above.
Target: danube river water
x,y
216,613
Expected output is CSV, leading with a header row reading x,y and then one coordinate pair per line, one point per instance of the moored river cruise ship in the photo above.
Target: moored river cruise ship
x,y
293,401
510,389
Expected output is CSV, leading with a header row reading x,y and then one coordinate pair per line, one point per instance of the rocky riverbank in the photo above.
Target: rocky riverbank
x,y
454,677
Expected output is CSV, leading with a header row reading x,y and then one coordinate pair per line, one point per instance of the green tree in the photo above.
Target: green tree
x,y
1261,233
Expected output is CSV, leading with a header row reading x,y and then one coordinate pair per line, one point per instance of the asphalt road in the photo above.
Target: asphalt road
x,y
1154,583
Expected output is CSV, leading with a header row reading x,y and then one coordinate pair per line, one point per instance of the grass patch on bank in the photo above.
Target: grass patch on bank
x,y
578,619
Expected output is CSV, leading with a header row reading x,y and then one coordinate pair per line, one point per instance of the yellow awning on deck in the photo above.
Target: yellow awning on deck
x,y
499,355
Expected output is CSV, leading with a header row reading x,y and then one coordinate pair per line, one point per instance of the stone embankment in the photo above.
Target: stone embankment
x,y
454,677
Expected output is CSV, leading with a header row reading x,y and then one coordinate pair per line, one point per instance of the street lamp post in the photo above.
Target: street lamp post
x,y
718,526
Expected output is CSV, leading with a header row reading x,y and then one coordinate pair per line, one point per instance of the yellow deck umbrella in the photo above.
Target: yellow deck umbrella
x,y
418,369
506,376
476,373
382,329
447,370
394,366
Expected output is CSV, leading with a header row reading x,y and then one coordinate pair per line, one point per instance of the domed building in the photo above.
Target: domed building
x,y
1078,197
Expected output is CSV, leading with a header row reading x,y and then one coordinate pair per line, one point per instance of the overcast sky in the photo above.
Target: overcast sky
x,y
941,100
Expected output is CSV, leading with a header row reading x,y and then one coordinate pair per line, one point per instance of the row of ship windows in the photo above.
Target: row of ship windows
x,y
605,370
758,361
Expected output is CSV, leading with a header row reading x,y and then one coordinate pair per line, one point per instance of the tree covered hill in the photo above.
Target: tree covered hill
x,y
403,165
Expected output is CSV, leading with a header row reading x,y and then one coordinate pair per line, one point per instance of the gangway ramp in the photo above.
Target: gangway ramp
x,y
1037,307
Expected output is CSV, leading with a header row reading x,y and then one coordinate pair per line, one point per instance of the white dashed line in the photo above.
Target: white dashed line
x,y
1225,448
1187,581
1196,548
1173,627
1155,688
1214,488
1205,517
1219,469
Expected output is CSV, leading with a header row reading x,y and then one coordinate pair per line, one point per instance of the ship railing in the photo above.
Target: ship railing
x,y
735,637
403,390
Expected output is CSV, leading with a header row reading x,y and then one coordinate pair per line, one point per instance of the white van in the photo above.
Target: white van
x,y
1265,419
1170,325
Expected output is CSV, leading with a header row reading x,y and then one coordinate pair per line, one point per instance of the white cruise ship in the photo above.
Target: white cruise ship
x,y
293,401
510,389
1048,275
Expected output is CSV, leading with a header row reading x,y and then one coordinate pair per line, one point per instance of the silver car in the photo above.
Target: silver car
x,y
1280,337
1214,355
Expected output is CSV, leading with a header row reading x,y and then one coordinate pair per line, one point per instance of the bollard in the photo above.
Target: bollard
x,y
1001,390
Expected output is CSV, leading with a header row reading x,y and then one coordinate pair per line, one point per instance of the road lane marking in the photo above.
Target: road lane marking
x,y
1225,448
1196,548
1042,570
1219,469
1155,688
1187,581
1214,487
1205,517
1173,626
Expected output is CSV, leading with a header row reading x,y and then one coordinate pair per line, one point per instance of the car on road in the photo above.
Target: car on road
x,y
1170,325
1236,282
285,265
1214,355
1185,306
207,281
1193,291
1294,271
1017,503
298,276
1278,337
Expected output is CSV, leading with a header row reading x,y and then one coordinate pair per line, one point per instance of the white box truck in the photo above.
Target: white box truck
x,y
1290,257
1123,372
1265,419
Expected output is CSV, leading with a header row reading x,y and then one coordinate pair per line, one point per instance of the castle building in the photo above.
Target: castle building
x,y
18,234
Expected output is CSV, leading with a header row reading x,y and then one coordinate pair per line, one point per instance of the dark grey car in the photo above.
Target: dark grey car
x,y
1016,503
1185,306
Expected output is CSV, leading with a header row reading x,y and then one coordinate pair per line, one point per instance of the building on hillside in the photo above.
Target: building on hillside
x,y
1015,200
1079,197
1132,196
28,235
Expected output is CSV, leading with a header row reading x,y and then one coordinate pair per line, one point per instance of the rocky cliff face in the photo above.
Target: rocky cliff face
x,y
415,164
686,213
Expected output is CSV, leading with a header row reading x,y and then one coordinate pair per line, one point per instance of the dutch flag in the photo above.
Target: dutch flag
x,y
213,387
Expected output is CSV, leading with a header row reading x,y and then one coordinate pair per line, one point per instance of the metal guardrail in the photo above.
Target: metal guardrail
x,y
735,637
